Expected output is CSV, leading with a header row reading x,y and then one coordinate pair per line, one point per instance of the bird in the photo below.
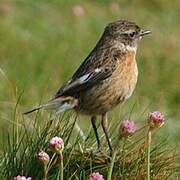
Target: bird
x,y
106,78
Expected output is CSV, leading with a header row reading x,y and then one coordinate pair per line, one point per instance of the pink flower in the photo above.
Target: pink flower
x,y
78,10
22,178
114,7
5,8
127,128
95,176
56,144
43,157
155,119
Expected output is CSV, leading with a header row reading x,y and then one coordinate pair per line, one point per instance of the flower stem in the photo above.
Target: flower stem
x,y
45,173
61,167
111,165
123,155
148,154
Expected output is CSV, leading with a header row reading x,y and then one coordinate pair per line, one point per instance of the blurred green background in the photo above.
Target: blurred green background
x,y
42,42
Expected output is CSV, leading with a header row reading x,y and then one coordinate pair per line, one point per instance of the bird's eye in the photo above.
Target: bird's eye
x,y
131,34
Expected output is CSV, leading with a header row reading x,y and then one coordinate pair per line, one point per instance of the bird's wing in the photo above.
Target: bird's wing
x,y
89,76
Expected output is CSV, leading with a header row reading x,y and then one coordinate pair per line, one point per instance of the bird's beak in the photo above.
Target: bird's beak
x,y
144,32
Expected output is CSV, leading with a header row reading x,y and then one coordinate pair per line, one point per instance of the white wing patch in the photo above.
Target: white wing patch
x,y
97,70
86,77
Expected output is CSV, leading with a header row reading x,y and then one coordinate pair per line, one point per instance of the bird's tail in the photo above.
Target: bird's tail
x,y
60,104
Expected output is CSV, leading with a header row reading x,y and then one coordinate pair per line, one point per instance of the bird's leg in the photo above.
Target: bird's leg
x,y
93,121
104,124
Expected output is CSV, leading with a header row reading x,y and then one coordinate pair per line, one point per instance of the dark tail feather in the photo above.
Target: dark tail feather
x,y
60,104
32,110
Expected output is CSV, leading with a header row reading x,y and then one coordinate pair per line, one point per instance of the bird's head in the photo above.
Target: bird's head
x,y
125,32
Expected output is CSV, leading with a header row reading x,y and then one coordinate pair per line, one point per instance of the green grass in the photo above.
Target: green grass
x,y
42,43
18,155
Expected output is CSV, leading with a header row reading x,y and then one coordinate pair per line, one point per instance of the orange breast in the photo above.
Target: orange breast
x,y
125,76
114,90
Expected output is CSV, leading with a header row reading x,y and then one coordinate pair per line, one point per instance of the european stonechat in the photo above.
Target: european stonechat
x,y
106,78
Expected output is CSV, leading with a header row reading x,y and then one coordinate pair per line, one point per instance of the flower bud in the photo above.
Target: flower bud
x,y
43,157
22,178
127,128
56,144
95,176
155,119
